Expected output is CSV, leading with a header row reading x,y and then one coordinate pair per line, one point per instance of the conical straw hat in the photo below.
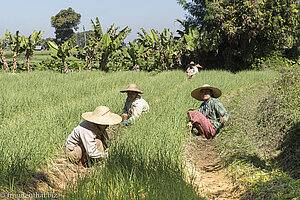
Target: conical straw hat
x,y
102,115
216,92
132,88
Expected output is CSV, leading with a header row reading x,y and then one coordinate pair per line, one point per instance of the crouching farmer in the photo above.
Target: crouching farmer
x,y
192,69
135,105
211,115
89,139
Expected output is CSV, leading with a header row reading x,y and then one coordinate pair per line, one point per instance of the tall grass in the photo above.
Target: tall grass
x,y
260,145
38,110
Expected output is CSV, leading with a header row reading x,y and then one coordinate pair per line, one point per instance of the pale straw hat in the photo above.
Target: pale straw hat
x,y
216,92
192,63
103,116
132,88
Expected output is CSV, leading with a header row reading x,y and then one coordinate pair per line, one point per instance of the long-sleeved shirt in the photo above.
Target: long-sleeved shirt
x,y
134,108
84,135
193,70
213,110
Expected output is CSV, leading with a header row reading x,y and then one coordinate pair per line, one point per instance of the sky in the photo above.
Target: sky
x,y
29,15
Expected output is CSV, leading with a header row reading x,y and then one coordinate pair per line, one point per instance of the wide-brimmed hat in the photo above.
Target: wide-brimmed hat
x,y
216,92
132,88
103,116
191,63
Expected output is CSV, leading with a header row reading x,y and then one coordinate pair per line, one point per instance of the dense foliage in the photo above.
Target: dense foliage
x,y
64,22
240,32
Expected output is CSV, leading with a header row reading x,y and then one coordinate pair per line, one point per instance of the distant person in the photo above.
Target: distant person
x,y
192,69
136,67
211,115
88,139
135,105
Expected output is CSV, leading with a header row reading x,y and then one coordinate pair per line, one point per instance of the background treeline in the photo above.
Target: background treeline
x,y
223,34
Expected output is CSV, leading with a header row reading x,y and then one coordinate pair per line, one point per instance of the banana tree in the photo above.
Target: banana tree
x,y
62,52
171,50
31,42
134,53
164,47
197,42
88,53
3,45
109,42
18,45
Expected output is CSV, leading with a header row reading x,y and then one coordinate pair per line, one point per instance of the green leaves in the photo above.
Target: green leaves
x,y
62,52
97,29
32,41
108,43
238,32
64,22
16,42
162,47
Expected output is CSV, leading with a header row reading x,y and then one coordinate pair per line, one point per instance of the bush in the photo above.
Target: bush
x,y
278,118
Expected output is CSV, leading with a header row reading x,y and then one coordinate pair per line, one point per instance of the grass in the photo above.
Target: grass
x,y
40,109
260,144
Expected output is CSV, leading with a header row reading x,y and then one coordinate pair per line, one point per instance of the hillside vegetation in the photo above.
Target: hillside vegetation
x,y
260,145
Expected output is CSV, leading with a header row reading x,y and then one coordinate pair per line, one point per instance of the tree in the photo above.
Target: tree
x,y
135,53
242,31
3,45
109,42
88,53
17,45
31,42
163,46
64,22
62,52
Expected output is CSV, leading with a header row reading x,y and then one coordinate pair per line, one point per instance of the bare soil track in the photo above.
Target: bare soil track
x,y
205,170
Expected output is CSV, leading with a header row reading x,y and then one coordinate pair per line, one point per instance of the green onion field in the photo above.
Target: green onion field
x,y
38,110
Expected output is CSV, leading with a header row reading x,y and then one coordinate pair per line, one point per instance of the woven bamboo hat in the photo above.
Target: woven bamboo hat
x,y
132,88
216,92
102,115
192,63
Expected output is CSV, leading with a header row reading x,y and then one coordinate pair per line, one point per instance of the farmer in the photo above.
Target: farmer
x,y
192,69
135,105
211,115
88,139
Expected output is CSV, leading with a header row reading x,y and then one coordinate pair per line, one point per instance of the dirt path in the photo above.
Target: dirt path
x,y
204,167
202,158
56,177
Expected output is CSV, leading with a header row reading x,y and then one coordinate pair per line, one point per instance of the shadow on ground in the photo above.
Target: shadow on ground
x,y
289,158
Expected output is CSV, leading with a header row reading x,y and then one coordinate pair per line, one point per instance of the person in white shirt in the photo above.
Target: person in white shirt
x,y
193,69
135,105
88,139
